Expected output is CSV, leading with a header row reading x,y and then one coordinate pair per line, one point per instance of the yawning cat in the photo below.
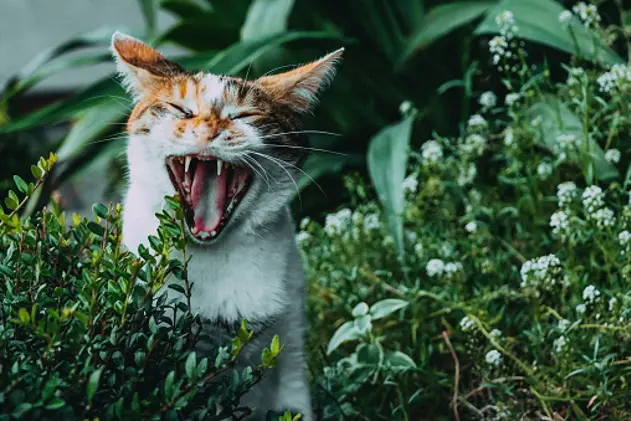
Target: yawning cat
x,y
232,149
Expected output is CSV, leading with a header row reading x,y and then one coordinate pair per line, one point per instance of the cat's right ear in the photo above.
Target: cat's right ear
x,y
142,68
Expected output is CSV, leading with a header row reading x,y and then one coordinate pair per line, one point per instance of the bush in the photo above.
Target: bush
x,y
510,297
86,332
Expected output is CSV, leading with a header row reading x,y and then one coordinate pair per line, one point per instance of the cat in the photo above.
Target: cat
x,y
232,149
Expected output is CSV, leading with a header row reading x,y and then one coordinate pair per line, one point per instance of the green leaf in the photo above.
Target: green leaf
x,y
555,119
21,184
36,171
100,210
385,307
346,332
55,404
538,21
168,385
399,360
361,309
266,17
275,345
24,315
387,164
178,288
191,365
96,228
440,21
149,10
93,384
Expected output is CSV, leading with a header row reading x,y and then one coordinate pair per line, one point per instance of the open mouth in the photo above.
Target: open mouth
x,y
210,189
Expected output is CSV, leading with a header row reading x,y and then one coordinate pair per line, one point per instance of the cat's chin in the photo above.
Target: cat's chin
x,y
211,190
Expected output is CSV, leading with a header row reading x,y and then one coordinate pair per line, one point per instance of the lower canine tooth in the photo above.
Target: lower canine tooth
x,y
203,234
187,163
219,165
194,230
213,233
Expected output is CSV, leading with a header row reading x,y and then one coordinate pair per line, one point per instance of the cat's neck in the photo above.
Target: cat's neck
x,y
241,275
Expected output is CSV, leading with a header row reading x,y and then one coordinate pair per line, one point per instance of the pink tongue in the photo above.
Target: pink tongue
x,y
208,196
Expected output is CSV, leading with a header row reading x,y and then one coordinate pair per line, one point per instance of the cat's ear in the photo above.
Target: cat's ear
x,y
141,67
300,87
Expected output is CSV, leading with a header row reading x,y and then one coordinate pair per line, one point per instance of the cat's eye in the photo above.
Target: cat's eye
x,y
242,114
185,112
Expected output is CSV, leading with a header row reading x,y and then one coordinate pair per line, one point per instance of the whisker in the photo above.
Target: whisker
x,y
296,167
307,148
264,175
284,169
299,132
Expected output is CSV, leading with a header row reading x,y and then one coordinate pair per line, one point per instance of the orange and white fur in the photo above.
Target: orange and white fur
x,y
232,149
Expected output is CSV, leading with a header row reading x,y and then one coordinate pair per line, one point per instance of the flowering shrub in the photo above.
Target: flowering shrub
x,y
511,297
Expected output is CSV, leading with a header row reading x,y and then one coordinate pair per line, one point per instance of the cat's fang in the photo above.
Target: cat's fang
x,y
187,163
219,165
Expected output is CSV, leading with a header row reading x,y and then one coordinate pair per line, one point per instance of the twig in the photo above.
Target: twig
x,y
454,399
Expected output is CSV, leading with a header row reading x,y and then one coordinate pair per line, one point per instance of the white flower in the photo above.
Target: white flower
x,y
435,267
410,184
476,120
506,21
467,174
617,78
488,99
466,324
624,237
495,334
591,294
567,141
575,76
544,170
305,222
431,151
566,192
511,99
474,144
565,17
593,199
493,357
451,269
418,249
302,236
613,156
564,324
335,223
604,218
405,108
559,344
559,222
612,303
509,137
581,308
544,270
371,222
498,46
588,13
471,227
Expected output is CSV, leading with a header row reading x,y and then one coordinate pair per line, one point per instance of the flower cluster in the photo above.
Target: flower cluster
x,y
506,22
591,294
604,217
493,358
476,121
511,99
544,270
410,184
587,13
498,47
337,223
617,78
565,17
559,221
488,99
431,152
566,193
593,199
474,144
438,268
613,156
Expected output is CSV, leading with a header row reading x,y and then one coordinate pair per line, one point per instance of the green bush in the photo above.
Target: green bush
x,y
86,332
508,297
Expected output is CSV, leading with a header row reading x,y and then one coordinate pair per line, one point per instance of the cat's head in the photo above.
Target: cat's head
x,y
231,148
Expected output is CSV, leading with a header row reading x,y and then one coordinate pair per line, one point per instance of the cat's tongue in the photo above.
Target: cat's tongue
x,y
208,196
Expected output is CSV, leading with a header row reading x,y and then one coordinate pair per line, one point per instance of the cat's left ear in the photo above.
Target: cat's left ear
x,y
142,67
300,87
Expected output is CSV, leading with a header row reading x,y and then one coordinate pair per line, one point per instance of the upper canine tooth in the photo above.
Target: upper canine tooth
x,y
187,163
219,165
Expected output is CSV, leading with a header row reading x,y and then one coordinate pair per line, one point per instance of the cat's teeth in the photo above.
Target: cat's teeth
x,y
194,230
213,233
187,163
219,165
204,235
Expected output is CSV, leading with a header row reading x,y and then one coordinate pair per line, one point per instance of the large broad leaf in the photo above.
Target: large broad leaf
x,y
538,21
555,119
347,332
149,9
320,164
440,21
266,17
387,163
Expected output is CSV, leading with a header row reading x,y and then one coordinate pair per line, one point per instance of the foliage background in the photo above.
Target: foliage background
x,y
413,70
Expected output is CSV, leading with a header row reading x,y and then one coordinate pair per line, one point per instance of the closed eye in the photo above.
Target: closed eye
x,y
185,112
242,114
